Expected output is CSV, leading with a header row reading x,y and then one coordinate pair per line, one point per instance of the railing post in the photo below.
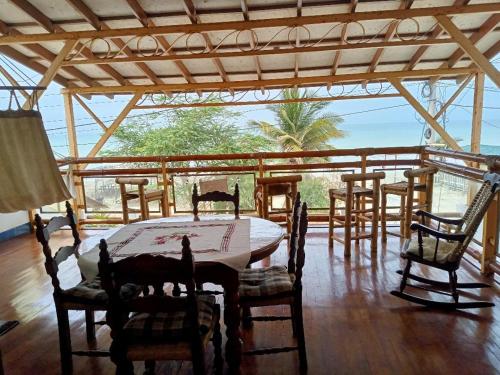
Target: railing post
x,y
491,234
261,167
165,178
363,184
422,196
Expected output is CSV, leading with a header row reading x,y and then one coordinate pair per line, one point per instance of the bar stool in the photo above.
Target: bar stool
x,y
268,187
405,190
356,196
143,196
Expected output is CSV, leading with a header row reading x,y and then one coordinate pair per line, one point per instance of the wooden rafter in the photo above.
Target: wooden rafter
x,y
90,112
50,73
253,24
147,22
450,101
195,20
96,23
391,30
426,115
13,81
275,83
257,102
116,123
476,55
261,52
436,33
253,42
48,25
343,37
297,40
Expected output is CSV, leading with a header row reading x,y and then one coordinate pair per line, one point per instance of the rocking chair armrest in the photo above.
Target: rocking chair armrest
x,y
439,218
460,237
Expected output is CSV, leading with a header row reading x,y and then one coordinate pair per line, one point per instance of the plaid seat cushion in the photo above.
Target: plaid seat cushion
x,y
269,281
169,326
91,291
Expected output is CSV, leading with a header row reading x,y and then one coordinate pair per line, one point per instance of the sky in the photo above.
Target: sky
x,y
367,122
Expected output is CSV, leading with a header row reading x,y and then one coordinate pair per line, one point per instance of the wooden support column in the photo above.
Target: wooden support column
x,y
491,234
427,117
111,129
479,59
477,114
78,201
50,73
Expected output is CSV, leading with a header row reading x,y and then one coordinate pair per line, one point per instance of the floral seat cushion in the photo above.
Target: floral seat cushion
x,y
91,291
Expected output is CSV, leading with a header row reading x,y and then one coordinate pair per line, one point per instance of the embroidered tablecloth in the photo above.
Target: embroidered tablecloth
x,y
224,241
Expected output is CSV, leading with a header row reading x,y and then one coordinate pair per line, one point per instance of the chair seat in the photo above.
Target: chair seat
x,y
169,326
356,190
265,282
91,292
402,187
444,252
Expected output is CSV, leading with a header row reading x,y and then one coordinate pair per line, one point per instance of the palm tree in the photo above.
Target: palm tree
x,y
301,126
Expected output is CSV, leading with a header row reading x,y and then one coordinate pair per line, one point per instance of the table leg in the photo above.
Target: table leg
x,y
232,321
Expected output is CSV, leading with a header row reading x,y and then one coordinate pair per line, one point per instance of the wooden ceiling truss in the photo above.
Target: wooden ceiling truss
x,y
249,48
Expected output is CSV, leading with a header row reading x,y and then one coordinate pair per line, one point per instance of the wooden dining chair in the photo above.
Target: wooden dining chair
x,y
162,327
86,296
444,250
216,196
279,285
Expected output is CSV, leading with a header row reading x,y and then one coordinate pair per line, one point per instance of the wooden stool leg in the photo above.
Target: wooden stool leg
x,y
265,202
402,213
357,220
331,222
383,218
123,194
347,222
409,209
143,203
375,213
164,204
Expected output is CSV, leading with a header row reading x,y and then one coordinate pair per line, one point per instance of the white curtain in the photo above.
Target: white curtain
x,y
29,176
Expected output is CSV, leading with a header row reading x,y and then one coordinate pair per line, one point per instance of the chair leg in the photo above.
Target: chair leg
x,y
119,358
347,227
90,325
404,279
217,342
453,285
149,367
299,322
288,207
294,318
331,222
64,340
383,217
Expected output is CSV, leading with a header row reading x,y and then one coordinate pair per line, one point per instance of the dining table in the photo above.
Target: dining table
x,y
222,246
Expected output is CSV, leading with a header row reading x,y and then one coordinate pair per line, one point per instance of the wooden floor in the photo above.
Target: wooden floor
x,y
352,324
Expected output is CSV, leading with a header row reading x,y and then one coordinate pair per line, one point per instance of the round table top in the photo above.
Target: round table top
x,y
265,235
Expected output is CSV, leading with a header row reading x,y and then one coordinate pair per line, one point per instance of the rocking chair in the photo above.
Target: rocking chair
x,y
444,250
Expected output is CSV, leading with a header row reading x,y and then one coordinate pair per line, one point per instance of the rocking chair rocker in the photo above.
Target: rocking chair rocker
x,y
444,250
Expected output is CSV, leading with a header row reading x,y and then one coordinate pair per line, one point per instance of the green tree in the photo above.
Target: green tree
x,y
301,126
202,130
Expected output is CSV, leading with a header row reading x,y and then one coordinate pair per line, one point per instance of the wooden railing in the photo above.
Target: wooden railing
x,y
462,164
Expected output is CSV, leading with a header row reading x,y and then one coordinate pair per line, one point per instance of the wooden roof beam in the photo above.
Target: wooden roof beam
x,y
253,42
97,24
195,20
255,84
481,61
391,30
147,22
13,81
297,39
254,24
436,33
47,24
426,115
343,37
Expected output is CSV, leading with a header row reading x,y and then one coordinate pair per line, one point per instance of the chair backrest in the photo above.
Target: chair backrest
x,y
216,196
148,270
476,211
296,258
43,233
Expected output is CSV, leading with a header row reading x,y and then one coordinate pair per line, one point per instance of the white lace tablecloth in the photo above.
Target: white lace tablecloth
x,y
224,241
